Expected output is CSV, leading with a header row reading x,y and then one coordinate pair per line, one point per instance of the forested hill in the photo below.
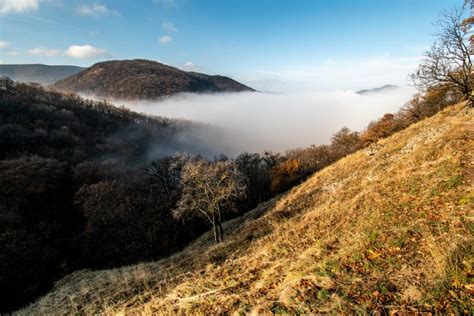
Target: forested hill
x,y
143,79
69,128
38,73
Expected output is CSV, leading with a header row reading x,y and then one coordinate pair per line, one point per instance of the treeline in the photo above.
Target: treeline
x,y
75,194
300,163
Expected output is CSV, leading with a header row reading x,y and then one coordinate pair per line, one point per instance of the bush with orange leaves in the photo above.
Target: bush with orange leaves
x,y
285,175
381,128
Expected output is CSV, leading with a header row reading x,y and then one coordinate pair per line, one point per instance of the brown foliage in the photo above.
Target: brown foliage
x,y
381,128
285,175
345,142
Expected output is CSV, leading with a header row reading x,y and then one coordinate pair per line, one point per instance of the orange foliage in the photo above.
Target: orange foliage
x,y
379,129
285,175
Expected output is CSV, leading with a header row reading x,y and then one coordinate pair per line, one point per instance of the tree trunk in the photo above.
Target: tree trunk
x,y
221,231
216,233
219,222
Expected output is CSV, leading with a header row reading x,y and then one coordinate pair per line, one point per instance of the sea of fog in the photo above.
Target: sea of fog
x,y
257,121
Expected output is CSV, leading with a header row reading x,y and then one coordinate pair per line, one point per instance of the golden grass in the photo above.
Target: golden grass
x,y
387,228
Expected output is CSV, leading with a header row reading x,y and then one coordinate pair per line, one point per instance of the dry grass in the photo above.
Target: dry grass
x,y
390,228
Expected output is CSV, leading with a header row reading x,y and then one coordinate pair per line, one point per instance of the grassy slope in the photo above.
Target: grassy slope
x,y
388,227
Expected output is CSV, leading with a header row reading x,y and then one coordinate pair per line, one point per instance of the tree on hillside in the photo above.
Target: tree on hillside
x,y
345,142
257,171
285,175
468,22
165,177
448,62
209,190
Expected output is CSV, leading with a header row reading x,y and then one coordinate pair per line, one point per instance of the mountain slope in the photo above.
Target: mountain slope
x,y
38,73
387,228
143,79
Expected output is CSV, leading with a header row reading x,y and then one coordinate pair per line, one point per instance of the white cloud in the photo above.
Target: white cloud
x,y
190,66
45,52
85,51
169,27
165,39
4,44
74,51
7,6
13,53
94,9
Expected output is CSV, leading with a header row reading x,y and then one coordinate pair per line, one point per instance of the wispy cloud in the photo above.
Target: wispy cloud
x,y
165,39
18,6
94,9
4,44
85,51
169,27
13,53
45,52
190,66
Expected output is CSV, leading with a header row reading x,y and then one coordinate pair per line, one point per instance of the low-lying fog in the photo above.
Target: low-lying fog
x,y
256,121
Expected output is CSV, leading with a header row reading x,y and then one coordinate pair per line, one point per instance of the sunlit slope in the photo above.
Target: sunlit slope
x,y
389,227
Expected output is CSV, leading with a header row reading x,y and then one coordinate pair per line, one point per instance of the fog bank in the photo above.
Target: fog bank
x,y
256,121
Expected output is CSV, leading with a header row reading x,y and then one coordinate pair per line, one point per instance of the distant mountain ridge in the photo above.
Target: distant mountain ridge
x,y
143,79
385,88
38,73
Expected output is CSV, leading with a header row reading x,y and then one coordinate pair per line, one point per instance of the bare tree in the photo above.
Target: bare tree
x,y
469,22
209,190
448,62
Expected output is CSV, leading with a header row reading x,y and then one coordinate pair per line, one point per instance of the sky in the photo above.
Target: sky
x,y
279,45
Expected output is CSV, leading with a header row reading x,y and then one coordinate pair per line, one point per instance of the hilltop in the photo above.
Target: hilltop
x,y
38,73
389,227
382,89
143,79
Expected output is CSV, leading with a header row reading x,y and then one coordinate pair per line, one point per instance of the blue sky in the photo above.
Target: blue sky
x,y
328,44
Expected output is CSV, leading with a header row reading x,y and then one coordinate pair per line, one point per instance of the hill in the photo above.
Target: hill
x,y
388,228
38,73
382,89
143,79
35,121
